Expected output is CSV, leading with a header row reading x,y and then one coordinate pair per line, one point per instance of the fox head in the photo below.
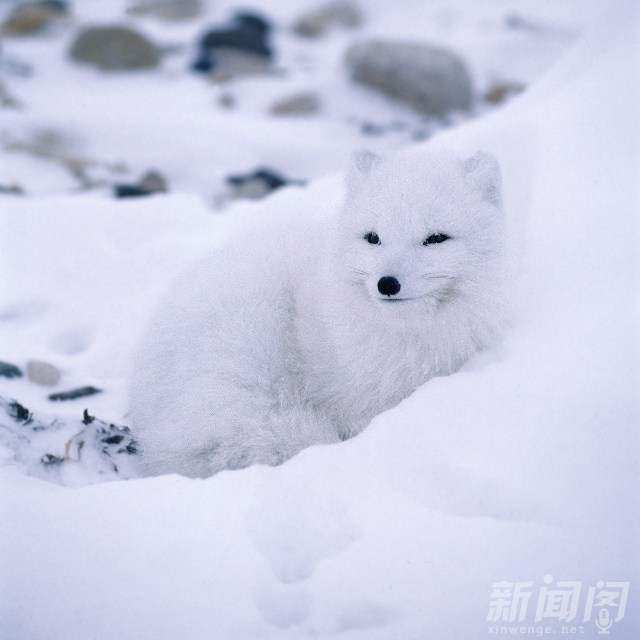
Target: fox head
x,y
421,232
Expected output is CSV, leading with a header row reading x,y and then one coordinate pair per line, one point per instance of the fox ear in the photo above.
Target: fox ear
x,y
483,171
362,164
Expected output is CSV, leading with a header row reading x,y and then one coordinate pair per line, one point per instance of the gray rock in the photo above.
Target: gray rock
x,y
154,182
231,63
431,80
43,373
32,18
304,103
318,21
168,10
114,48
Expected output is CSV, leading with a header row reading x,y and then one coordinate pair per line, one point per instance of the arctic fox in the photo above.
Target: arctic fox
x,y
300,334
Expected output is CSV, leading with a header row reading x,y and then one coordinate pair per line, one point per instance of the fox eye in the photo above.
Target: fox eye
x,y
372,237
435,238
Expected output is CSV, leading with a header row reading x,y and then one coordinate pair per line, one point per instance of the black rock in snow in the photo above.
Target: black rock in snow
x,y
74,394
247,33
8,370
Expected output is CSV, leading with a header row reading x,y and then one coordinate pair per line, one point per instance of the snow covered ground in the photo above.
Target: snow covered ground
x,y
523,465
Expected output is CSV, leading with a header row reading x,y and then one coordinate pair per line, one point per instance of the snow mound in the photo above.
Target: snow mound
x,y
521,465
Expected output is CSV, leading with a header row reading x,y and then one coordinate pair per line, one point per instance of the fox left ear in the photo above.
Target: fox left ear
x,y
362,164
483,171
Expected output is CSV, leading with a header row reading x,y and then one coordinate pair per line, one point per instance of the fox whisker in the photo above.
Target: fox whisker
x,y
440,276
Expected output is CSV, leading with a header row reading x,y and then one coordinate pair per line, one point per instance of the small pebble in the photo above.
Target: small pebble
x,y
304,103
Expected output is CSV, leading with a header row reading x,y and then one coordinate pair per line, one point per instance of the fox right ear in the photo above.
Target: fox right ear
x,y
362,165
484,172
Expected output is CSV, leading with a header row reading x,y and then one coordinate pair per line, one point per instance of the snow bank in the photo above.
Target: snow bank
x,y
521,465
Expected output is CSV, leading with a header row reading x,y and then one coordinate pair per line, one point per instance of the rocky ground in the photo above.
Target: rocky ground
x,y
95,93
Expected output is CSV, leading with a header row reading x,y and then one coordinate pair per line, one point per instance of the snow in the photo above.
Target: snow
x,y
522,464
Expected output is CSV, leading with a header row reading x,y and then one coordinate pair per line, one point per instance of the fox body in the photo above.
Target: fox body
x,y
300,334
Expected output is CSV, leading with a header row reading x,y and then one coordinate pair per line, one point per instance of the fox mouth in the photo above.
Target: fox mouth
x,y
397,299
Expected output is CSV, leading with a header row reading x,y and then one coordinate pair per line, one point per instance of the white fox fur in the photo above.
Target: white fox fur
x,y
282,339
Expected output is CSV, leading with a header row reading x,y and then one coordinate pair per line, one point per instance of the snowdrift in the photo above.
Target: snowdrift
x,y
519,466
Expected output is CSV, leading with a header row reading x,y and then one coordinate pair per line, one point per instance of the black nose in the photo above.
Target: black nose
x,y
388,286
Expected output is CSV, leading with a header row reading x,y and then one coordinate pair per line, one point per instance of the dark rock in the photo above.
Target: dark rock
x,y
203,63
431,80
252,20
258,183
114,48
87,418
246,32
237,48
31,18
239,39
128,191
151,182
74,394
18,412
8,370
318,21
